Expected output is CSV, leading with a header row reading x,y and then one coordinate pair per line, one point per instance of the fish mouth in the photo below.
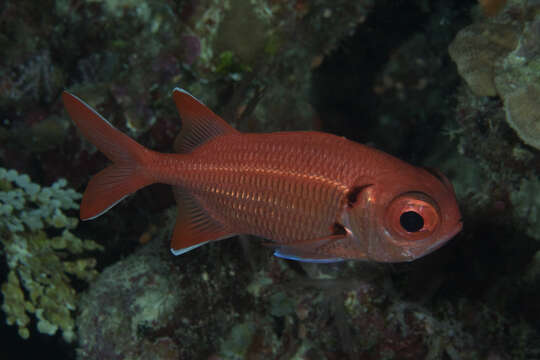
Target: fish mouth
x,y
421,252
457,228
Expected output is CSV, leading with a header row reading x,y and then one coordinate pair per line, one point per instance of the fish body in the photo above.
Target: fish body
x,y
317,196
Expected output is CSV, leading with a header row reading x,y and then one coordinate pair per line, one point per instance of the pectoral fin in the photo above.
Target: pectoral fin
x,y
294,253
306,250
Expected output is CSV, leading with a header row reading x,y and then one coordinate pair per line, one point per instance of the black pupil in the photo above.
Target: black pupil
x,y
411,221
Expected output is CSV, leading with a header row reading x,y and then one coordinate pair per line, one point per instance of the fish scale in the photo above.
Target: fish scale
x,y
305,209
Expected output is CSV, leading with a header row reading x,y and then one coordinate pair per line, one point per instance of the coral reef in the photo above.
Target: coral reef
x,y
41,264
500,57
500,134
523,113
375,71
477,49
503,52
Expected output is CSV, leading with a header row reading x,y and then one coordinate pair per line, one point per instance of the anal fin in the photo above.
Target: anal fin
x,y
194,226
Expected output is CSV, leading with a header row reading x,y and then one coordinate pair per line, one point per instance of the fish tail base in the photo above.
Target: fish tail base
x,y
109,187
127,174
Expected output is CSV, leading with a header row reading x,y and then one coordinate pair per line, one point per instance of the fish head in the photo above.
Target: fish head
x,y
404,217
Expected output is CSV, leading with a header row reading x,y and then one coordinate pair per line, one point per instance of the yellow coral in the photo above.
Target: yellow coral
x,y
14,304
38,282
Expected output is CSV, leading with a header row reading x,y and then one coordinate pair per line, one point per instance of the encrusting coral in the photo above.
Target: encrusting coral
x,y
523,113
39,248
501,57
476,50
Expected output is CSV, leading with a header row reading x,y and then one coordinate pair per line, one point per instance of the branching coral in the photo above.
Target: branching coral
x,y
41,264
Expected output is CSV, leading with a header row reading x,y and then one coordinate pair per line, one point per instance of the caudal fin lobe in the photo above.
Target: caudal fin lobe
x,y
125,176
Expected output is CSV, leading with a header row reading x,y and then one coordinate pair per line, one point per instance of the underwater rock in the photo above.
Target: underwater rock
x,y
153,305
127,301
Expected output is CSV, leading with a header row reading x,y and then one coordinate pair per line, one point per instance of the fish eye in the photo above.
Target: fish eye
x,y
411,221
412,216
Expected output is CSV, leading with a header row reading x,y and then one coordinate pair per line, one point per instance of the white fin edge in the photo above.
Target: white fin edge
x,y
107,209
278,254
187,93
185,250
91,109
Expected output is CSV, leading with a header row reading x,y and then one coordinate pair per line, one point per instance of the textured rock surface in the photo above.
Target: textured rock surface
x,y
153,306
128,300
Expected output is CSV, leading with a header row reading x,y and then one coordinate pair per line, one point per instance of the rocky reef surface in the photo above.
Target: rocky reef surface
x,y
446,84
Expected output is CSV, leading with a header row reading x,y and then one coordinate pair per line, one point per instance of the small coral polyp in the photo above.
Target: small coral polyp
x,y
38,281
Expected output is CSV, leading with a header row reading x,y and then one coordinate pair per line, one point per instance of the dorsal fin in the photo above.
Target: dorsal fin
x,y
199,123
194,226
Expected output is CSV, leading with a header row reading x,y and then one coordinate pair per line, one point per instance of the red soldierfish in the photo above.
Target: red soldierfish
x,y
317,196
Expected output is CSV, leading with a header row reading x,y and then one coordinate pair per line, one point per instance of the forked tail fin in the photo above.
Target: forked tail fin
x,y
127,173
